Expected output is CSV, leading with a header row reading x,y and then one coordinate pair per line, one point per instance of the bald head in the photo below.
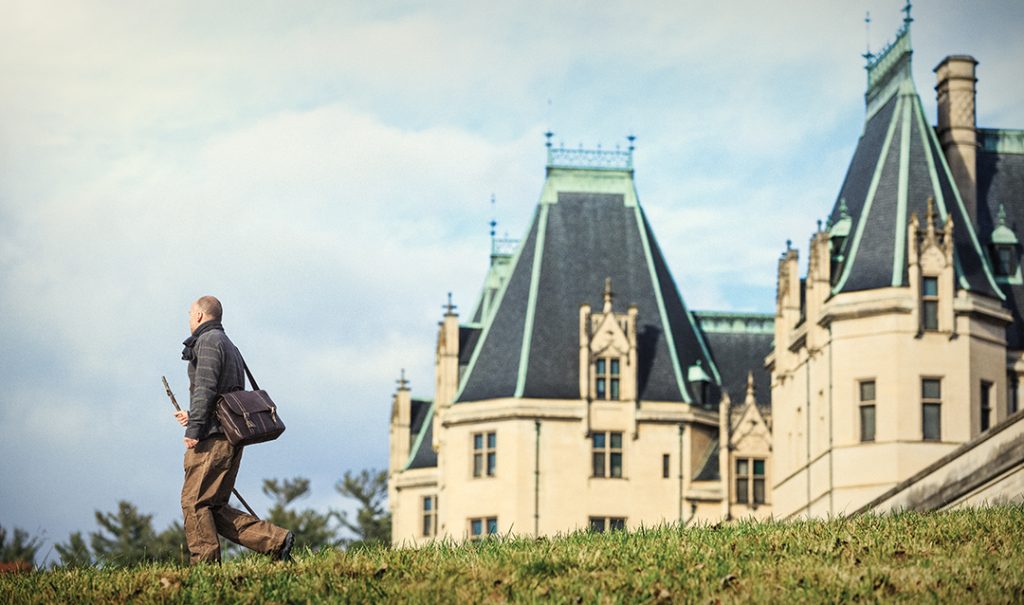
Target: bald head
x,y
206,308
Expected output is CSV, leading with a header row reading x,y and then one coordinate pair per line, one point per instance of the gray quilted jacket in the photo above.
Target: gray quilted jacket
x,y
216,368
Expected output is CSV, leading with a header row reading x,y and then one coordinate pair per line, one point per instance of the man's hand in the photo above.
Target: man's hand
x,y
190,443
182,417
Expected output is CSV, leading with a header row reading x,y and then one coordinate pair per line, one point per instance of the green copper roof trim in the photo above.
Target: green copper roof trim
x,y
419,438
881,64
956,195
1002,235
590,159
661,305
1001,140
588,181
531,305
488,320
726,322
499,271
887,70
842,227
696,373
872,189
700,337
899,252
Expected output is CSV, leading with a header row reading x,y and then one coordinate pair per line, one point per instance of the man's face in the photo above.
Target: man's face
x,y
195,317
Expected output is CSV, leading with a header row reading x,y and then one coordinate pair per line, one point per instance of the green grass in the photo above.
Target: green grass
x,y
970,556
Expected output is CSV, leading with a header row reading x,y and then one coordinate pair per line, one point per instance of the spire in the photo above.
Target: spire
x,y
868,55
494,220
449,308
750,399
403,384
608,294
907,19
929,216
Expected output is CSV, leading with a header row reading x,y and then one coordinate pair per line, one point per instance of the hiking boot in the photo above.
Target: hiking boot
x,y
285,552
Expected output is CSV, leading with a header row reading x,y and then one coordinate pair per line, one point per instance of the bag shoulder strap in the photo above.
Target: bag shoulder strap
x,y
245,367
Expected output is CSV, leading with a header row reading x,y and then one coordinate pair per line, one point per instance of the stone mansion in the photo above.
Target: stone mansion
x,y
582,392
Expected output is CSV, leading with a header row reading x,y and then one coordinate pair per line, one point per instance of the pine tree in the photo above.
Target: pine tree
x,y
75,553
126,537
21,548
372,524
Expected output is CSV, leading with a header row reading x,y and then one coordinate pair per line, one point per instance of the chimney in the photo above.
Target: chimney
x,y
955,94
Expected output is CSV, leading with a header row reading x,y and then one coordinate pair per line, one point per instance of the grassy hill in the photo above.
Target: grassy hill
x,y
963,556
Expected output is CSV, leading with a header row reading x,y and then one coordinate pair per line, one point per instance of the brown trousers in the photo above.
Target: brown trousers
x,y
210,471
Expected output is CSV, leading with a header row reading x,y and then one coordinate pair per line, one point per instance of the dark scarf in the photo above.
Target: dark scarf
x,y
187,353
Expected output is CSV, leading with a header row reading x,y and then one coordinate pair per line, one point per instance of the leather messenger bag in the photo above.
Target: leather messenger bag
x,y
249,417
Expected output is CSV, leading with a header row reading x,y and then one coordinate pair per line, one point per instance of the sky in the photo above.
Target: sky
x,y
326,170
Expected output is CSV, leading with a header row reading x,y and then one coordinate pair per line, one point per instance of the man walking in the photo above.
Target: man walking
x,y
211,463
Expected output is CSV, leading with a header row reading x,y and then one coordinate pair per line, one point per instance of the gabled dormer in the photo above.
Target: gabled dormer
x,y
1003,247
607,351
838,234
931,270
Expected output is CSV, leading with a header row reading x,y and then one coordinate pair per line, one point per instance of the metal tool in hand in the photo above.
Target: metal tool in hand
x,y
174,402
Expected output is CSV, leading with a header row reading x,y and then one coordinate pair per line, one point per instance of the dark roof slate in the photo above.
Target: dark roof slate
x,y
418,411
738,353
1001,181
497,364
468,339
424,456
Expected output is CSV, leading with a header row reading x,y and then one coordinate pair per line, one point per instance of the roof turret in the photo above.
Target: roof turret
x,y
897,166
588,227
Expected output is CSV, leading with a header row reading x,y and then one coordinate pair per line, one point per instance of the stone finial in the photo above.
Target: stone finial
x,y
608,295
750,399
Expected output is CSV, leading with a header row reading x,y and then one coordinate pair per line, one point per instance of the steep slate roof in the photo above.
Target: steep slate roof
x,y
421,430
739,343
1001,183
897,166
468,338
587,226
